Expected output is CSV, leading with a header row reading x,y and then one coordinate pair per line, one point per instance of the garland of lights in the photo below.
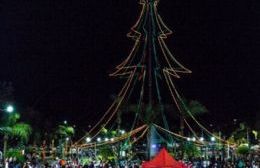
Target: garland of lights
x,y
129,69
115,139
115,104
172,87
198,143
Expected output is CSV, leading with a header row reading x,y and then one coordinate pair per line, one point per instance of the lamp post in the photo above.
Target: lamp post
x,y
8,109
213,139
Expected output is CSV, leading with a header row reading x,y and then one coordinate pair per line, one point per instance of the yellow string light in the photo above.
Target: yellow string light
x,y
121,95
172,69
116,139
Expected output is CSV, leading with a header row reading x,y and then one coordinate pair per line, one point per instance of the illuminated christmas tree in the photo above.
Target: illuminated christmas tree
x,y
148,91
151,64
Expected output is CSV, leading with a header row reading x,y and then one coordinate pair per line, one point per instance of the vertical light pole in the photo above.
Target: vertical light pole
x,y
66,147
8,109
213,139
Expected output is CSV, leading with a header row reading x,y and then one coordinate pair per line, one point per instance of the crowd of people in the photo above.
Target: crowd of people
x,y
60,163
228,163
34,161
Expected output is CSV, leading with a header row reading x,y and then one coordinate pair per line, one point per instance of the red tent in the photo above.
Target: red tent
x,y
163,160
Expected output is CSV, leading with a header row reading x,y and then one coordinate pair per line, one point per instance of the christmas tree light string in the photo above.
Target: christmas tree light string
x,y
149,46
121,95
115,139
192,116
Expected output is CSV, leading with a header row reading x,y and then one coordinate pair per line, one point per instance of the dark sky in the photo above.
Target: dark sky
x,y
58,53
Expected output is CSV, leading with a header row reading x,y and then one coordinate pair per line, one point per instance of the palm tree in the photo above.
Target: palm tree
x,y
14,129
241,134
65,132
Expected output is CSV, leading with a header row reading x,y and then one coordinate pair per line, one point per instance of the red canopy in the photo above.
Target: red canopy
x,y
163,160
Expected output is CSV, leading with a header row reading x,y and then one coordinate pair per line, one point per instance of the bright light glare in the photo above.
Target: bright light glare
x,y
9,109
213,139
88,139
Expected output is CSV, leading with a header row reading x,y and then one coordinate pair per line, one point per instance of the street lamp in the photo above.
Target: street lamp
x,y
213,139
9,109
88,139
99,139
122,131
193,139
201,139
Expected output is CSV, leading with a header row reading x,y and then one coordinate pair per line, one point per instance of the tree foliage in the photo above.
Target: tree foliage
x,y
17,154
190,150
243,149
15,129
65,131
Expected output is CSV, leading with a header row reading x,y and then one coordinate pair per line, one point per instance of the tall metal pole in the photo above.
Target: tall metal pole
x,y
150,73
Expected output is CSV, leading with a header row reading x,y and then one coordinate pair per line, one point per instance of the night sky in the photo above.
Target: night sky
x,y
58,54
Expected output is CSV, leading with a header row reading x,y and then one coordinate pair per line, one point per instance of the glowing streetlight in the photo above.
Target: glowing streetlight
x,y
9,109
193,139
106,139
88,139
201,139
112,139
98,139
213,139
122,131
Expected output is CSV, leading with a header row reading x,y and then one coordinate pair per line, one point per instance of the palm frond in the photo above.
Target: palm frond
x,y
22,131
5,130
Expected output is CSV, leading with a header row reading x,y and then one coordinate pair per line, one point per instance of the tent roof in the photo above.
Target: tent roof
x,y
163,160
